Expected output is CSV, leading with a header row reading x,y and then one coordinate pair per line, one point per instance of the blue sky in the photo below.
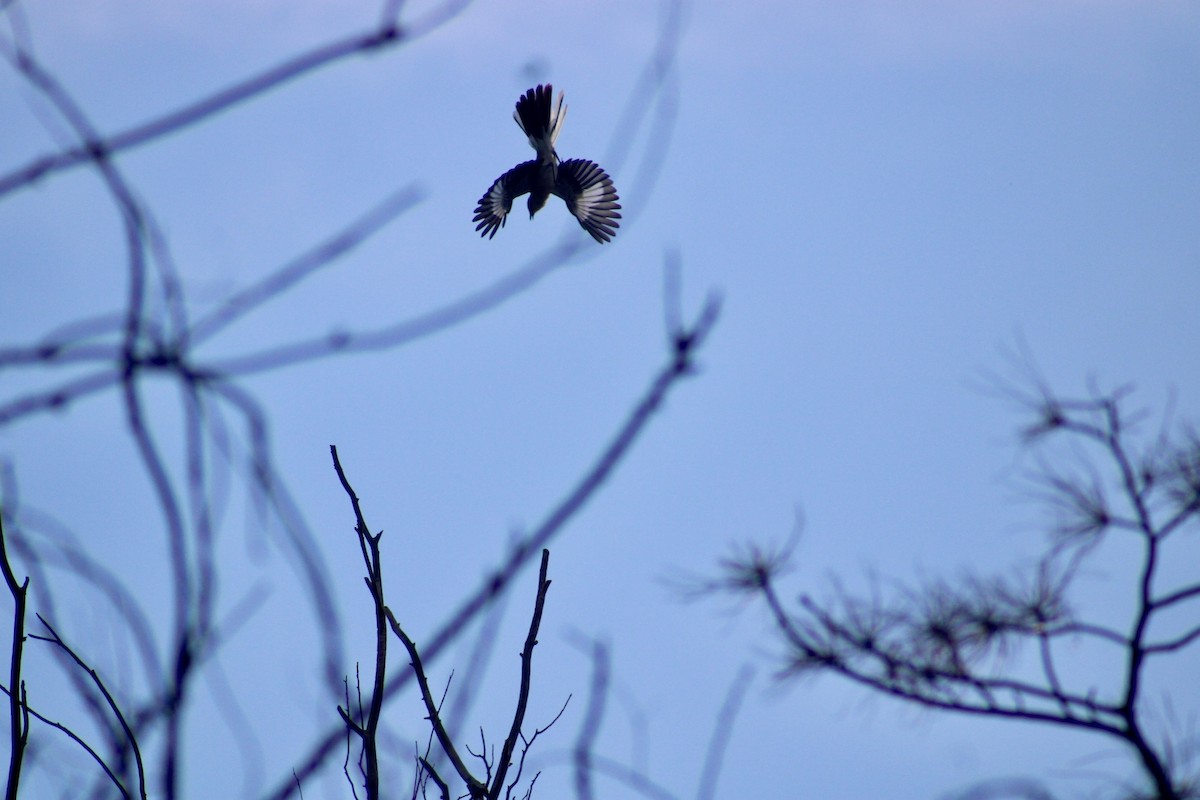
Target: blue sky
x,y
887,197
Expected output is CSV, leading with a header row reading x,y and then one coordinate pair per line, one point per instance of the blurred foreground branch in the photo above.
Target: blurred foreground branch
x,y
149,348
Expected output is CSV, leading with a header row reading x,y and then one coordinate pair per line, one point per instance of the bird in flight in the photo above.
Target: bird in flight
x,y
585,188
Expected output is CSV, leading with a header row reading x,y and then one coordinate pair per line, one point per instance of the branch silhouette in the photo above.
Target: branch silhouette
x,y
941,644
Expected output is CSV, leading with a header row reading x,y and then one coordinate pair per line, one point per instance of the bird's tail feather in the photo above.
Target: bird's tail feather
x,y
541,118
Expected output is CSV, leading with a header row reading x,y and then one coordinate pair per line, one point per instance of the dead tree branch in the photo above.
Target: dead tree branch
x,y
369,545
937,645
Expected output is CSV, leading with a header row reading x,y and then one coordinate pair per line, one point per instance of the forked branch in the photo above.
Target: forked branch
x,y
476,788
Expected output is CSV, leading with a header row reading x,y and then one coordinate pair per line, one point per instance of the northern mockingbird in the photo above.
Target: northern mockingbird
x,y
585,188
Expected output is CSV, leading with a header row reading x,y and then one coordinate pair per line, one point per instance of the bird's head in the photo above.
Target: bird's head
x,y
537,201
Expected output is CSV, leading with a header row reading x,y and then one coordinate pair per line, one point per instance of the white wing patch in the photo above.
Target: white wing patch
x,y
590,195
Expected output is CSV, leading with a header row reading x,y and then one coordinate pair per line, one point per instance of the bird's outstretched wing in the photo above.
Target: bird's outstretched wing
x,y
496,202
590,195
541,119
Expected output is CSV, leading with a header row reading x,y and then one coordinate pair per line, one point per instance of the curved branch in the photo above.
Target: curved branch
x,y
55,639
77,739
1171,645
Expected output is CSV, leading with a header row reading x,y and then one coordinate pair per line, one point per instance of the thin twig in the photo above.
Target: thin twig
x,y
476,787
514,732
369,544
131,739
77,739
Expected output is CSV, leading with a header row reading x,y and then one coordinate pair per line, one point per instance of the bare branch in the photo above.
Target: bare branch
x,y
1166,601
1172,645
476,787
535,622
443,788
55,639
18,713
87,748
369,545
526,744
929,646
